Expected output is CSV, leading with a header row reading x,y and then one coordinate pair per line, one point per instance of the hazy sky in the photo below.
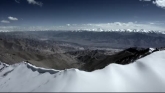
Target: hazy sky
x,y
62,12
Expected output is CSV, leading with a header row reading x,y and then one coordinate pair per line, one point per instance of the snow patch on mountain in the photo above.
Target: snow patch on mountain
x,y
151,50
144,75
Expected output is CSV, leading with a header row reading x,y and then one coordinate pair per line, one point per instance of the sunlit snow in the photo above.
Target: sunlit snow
x,y
144,75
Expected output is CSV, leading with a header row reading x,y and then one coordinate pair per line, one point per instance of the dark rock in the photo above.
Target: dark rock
x,y
124,57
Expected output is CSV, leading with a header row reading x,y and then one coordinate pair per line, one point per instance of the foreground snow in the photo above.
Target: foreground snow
x,y
145,75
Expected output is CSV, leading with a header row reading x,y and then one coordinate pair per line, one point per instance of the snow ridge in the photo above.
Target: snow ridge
x,y
145,75
33,68
40,70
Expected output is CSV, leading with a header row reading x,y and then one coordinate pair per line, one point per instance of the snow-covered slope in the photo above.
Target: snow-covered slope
x,y
144,75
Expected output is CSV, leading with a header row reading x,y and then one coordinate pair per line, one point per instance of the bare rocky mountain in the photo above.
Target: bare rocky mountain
x,y
36,52
88,39
118,40
53,50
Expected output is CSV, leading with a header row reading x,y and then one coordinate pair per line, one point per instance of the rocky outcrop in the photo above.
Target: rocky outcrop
x,y
124,57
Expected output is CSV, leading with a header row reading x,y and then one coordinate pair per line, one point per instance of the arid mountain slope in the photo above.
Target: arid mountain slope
x,y
35,52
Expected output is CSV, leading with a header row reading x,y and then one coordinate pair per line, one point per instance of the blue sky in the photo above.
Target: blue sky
x,y
81,12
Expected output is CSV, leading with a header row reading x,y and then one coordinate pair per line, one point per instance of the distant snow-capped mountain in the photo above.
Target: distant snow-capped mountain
x,y
123,30
40,28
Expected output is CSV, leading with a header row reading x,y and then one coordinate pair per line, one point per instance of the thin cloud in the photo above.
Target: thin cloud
x,y
145,0
17,1
5,21
35,2
12,18
115,26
